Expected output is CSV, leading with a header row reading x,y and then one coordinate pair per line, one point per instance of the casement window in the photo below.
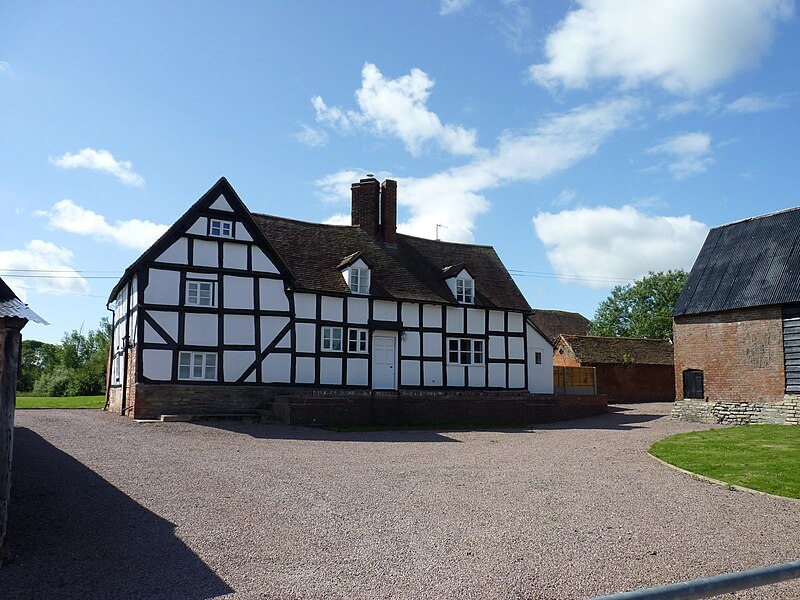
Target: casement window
x,y
464,351
219,228
465,290
537,357
359,280
197,366
357,340
332,339
200,293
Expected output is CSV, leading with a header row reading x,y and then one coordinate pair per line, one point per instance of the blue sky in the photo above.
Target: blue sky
x,y
589,142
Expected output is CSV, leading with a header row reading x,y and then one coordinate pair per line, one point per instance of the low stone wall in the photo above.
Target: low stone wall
x,y
738,413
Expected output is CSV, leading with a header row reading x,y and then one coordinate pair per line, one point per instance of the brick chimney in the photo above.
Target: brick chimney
x,y
364,207
389,211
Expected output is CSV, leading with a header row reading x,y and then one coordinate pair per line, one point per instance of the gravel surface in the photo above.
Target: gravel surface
x,y
103,507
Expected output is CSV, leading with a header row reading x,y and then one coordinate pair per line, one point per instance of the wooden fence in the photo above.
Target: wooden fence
x,y
575,381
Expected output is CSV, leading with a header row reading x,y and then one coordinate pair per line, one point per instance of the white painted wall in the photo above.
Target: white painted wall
x,y
410,343
163,287
277,368
476,376
332,308
431,315
330,370
496,321
239,330
205,253
304,369
383,310
497,346
410,314
200,329
234,256
305,306
455,320
516,347
432,374
167,320
221,204
357,311
200,227
261,262
540,377
177,253
357,371
497,374
237,292
272,295
516,376
476,321
157,364
235,362
409,373
431,344
305,337
455,375
270,327
515,322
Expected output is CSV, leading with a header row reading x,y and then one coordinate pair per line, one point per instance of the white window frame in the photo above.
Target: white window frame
x,y
202,366
358,341
331,338
198,284
465,290
466,351
221,225
537,357
359,280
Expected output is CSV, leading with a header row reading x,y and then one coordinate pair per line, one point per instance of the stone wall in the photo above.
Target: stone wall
x,y
739,413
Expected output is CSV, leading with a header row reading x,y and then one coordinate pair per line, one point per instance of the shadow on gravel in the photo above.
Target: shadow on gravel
x,y
74,535
618,417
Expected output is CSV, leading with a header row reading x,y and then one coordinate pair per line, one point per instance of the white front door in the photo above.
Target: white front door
x,y
383,363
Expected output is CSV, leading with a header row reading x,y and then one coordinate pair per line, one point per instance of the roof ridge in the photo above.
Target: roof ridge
x,y
613,337
424,239
758,217
277,218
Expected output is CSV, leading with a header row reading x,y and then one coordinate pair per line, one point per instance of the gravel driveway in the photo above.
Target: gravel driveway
x,y
104,507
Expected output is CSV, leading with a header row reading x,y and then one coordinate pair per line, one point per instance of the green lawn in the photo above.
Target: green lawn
x,y
66,402
760,457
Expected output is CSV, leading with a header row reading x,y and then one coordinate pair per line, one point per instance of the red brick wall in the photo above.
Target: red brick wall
x,y
740,353
115,393
635,383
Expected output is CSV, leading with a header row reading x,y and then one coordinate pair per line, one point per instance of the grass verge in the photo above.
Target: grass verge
x,y
759,457
65,402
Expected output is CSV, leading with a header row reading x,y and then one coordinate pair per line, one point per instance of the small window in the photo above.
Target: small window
x,y
219,228
359,280
465,291
197,366
200,293
464,351
693,384
332,339
357,340
537,356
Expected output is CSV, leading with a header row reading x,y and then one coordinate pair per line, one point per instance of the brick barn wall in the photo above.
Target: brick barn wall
x,y
635,383
567,359
740,353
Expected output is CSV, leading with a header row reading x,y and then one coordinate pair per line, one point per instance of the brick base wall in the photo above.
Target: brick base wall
x,y
738,413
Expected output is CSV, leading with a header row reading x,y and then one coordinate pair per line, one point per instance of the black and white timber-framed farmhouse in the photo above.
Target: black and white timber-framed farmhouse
x,y
232,310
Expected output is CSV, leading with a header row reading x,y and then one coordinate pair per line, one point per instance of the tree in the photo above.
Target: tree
x,y
36,359
642,309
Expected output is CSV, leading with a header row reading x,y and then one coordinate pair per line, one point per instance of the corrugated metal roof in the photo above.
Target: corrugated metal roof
x,y
749,263
17,308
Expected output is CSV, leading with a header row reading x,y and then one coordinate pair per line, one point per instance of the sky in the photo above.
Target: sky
x,y
589,142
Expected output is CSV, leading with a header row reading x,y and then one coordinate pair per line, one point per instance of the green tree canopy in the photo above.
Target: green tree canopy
x,y
642,309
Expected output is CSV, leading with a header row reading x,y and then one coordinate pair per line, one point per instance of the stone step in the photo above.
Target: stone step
x,y
210,417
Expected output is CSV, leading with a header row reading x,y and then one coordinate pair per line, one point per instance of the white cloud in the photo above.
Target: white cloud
x,y
449,7
565,198
100,160
689,151
309,136
685,46
753,103
4,67
338,219
398,107
599,246
68,216
514,22
41,266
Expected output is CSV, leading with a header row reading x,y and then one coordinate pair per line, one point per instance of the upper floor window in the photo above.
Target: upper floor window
x,y
357,340
219,228
464,351
465,290
359,280
332,339
197,365
200,293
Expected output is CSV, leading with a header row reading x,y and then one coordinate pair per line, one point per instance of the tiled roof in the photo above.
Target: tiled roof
x,y
599,350
553,323
413,270
750,263
11,306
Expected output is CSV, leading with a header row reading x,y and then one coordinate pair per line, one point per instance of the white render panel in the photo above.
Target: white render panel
x,y
332,308
167,320
277,368
431,315
242,234
286,340
431,344
515,322
270,327
206,276
200,329
455,320
151,336
134,331
432,372
516,347
134,297
221,204
410,343
516,376
455,375
205,253
235,362
497,346
177,253
157,364
476,376
163,287
357,310
234,256
496,321
272,295
306,337
304,370
409,372
305,306
476,321
239,330
497,375
200,227
238,292
357,371
261,262
330,370
384,310
410,314
540,377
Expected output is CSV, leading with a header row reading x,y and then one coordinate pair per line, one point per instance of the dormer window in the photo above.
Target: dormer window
x,y
465,290
219,228
359,280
